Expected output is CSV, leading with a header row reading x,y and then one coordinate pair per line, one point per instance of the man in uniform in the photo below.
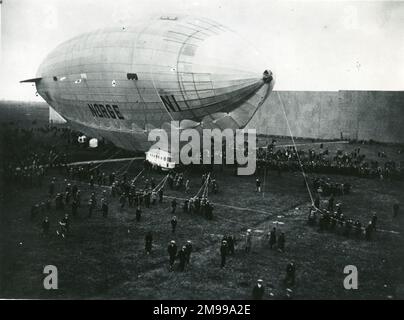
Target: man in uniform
x,y
52,188
45,226
148,242
396,208
258,290
182,255
258,185
90,208
104,208
173,205
331,203
230,243
290,273
248,241
173,224
368,231
281,242
161,195
172,252
188,247
223,253
74,208
374,221
272,238
138,213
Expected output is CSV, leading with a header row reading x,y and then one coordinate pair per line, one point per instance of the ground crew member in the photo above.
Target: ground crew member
x,y
223,253
122,200
104,208
90,208
182,255
281,242
148,242
138,213
368,231
172,252
331,203
258,290
374,221
45,226
258,185
173,224
396,208
173,205
290,273
230,243
74,208
188,247
52,188
272,238
248,241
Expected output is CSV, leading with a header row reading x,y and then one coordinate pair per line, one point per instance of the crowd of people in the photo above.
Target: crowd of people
x,y
328,219
31,165
352,163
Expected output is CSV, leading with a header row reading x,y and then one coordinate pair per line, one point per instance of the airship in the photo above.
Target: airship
x,y
120,83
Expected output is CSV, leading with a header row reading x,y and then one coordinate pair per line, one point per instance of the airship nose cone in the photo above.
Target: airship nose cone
x,y
226,54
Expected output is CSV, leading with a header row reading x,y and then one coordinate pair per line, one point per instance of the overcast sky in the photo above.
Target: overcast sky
x,y
310,45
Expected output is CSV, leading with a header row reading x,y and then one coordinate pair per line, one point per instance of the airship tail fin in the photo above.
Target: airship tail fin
x,y
36,80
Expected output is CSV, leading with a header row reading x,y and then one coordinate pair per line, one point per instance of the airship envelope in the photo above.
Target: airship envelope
x,y
120,83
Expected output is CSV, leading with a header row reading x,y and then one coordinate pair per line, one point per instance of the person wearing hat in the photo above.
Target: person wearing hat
x,y
374,221
172,252
173,224
223,253
257,185
138,213
45,226
258,290
148,242
290,273
188,247
182,255
248,240
272,238
281,242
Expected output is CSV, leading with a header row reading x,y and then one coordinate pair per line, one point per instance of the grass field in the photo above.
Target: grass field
x,y
104,257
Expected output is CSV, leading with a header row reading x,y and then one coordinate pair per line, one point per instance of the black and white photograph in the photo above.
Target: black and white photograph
x,y
223,151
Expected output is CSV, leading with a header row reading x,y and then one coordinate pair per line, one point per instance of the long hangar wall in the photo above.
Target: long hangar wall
x,y
362,115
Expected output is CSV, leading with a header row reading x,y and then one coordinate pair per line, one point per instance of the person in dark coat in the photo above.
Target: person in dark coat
x,y
189,248
138,213
173,224
272,238
148,242
182,256
368,231
290,273
223,253
374,221
172,252
258,290
45,226
230,243
104,208
281,242
173,205
396,208
161,195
